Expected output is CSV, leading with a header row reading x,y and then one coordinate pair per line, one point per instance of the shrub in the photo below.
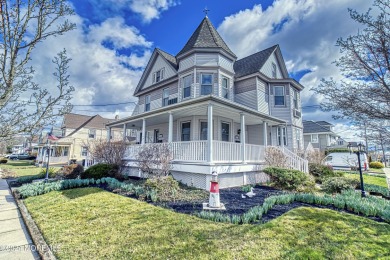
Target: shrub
x,y
286,178
338,184
274,157
322,172
3,160
100,170
52,172
166,187
72,171
336,150
376,165
246,188
28,179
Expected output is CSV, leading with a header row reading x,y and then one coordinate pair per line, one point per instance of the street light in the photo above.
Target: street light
x,y
359,151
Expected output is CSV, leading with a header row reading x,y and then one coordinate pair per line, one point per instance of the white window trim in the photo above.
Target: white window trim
x,y
201,81
295,99
284,96
162,98
313,139
227,88
183,87
181,130
200,129
274,70
146,103
230,130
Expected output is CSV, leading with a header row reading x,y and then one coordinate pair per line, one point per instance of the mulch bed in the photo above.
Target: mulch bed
x,y
236,205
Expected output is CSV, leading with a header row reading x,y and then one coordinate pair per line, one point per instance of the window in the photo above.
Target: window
x,y
314,138
185,131
206,84
274,70
84,151
279,132
225,87
92,133
295,99
225,131
147,103
165,97
158,76
66,151
203,131
187,81
279,96
63,132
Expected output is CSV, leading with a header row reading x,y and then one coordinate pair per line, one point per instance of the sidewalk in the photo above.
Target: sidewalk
x,y
15,241
387,172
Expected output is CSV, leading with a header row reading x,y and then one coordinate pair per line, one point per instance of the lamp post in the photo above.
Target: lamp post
x,y
359,151
48,159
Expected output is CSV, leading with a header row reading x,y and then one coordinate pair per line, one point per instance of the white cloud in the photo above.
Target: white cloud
x,y
306,30
98,72
118,33
151,9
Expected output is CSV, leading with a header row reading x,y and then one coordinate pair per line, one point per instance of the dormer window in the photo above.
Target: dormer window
x,y
158,75
206,84
273,70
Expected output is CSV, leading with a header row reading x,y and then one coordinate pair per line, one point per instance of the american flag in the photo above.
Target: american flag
x,y
52,137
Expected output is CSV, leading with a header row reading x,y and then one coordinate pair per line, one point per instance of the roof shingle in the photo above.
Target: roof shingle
x,y
314,127
252,63
206,36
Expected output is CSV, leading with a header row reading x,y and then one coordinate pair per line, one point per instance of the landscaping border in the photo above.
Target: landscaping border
x,y
43,249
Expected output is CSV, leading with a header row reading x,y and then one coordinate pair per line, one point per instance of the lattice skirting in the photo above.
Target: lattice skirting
x,y
202,181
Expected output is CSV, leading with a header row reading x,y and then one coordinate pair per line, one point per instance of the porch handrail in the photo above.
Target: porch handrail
x,y
295,161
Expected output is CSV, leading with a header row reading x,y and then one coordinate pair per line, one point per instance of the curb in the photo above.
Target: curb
x,y
43,249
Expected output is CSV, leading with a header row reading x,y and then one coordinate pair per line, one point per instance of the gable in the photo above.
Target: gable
x,y
275,59
157,64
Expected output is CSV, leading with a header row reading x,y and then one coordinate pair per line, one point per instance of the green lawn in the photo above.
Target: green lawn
x,y
377,170
23,168
90,222
369,179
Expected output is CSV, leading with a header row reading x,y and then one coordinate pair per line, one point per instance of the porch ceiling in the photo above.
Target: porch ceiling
x,y
221,107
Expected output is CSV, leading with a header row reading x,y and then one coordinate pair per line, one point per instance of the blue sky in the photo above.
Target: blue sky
x,y
115,38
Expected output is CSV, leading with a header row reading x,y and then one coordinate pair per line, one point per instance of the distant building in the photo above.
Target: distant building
x,y
320,134
75,133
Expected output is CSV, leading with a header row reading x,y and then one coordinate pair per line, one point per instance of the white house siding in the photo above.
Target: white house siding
x,y
255,134
297,121
158,65
245,92
198,81
180,87
267,67
262,96
156,97
231,85
282,112
186,63
206,59
225,63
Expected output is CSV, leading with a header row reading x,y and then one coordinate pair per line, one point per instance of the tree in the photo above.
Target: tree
x,y
24,105
365,65
110,152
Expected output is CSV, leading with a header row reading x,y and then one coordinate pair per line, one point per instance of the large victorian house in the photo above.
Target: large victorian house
x,y
217,113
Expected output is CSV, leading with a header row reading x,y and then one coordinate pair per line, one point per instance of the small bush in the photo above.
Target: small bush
x,y
72,171
100,170
338,184
246,188
3,160
286,178
166,187
376,165
52,172
322,172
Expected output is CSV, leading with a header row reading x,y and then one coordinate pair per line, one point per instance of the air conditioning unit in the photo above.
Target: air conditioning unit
x,y
297,113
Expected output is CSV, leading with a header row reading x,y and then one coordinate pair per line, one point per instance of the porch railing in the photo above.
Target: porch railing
x,y
295,162
196,151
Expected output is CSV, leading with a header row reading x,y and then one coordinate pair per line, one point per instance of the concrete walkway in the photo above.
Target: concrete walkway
x,y
15,241
387,172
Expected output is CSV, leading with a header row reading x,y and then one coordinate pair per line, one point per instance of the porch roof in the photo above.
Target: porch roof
x,y
198,106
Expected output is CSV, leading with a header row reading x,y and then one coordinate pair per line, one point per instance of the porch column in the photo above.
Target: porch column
x,y
109,134
265,134
124,132
281,136
143,131
210,132
242,136
170,128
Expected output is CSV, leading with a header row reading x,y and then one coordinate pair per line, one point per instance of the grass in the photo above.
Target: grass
x,y
368,179
91,222
377,170
22,168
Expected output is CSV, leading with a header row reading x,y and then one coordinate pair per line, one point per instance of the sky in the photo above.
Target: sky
x,y
114,40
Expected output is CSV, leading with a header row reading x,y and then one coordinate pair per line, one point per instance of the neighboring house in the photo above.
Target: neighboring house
x,y
75,133
320,134
217,112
